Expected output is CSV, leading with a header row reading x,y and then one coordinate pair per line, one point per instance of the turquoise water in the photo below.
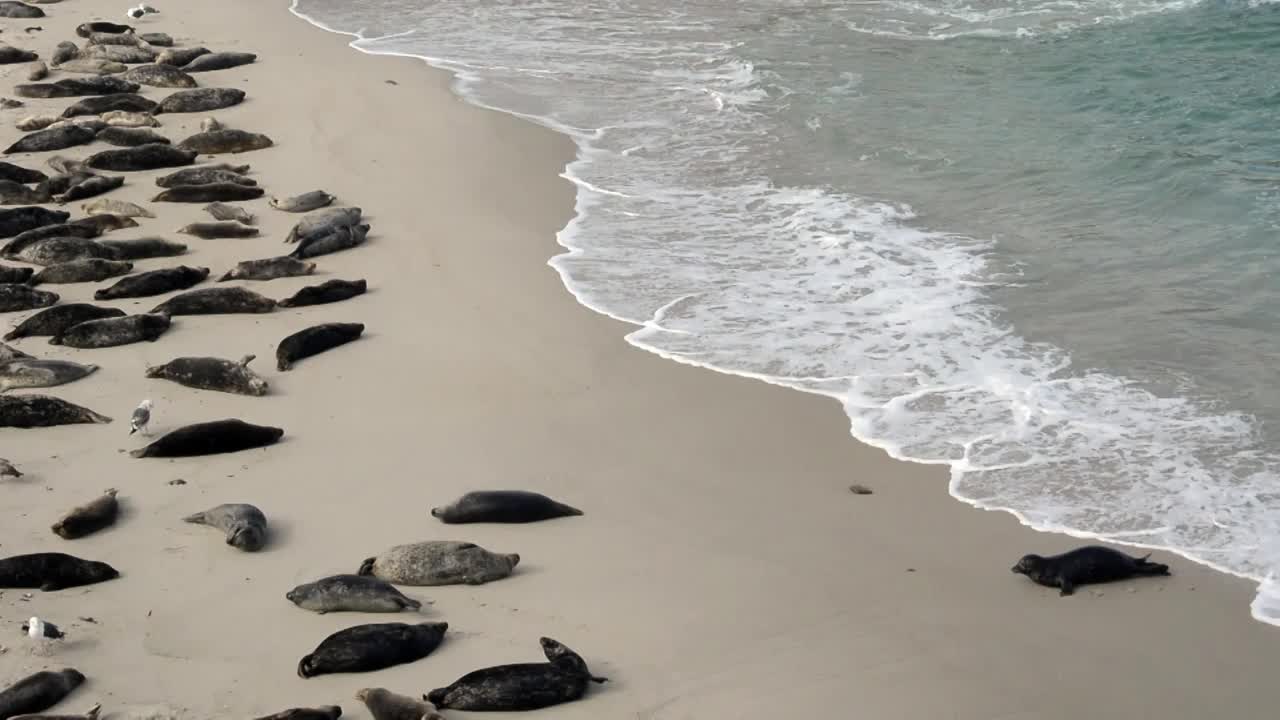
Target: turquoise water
x,y
1030,240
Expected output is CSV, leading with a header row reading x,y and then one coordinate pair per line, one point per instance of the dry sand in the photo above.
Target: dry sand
x,y
722,570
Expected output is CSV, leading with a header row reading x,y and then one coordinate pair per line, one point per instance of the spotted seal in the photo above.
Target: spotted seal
x,y
75,87
17,220
131,137
151,156
92,66
244,525
10,55
208,192
144,248
218,230
14,9
41,373
128,55
223,211
32,411
59,138
439,562
98,104
17,173
84,30
116,207
55,250
14,193
10,274
350,593
313,341
58,318
211,373
180,56
217,142
23,297
329,291
113,332
39,692
502,506
211,438
89,518
269,269
89,187
1084,566
78,271
386,705
322,222
153,282
340,238
306,202
52,571
565,677
372,646
216,301
206,175
200,99
218,61
124,118
157,74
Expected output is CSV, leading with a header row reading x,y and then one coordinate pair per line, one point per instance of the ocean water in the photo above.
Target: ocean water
x,y
1032,240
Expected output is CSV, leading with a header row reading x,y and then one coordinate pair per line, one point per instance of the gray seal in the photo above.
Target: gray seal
x,y
219,61
208,192
502,506
373,646
329,291
89,187
124,118
10,55
313,341
58,318
24,297
92,66
350,593
14,9
13,193
564,678
106,222
114,332
153,282
439,562
131,137
78,271
178,57
121,208
41,373
200,99
125,54
327,712
38,692
27,237
63,52
9,274
306,202
16,220
76,87
211,373
341,238
211,438
17,173
151,156
244,525
52,571
159,75
98,104
216,142
221,229
55,250
223,211
386,705
89,518
144,248
1084,566
216,301
54,138
207,175
322,222
269,269
8,353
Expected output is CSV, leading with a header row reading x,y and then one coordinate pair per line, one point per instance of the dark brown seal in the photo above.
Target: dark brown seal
x,y
1084,566
527,686
372,647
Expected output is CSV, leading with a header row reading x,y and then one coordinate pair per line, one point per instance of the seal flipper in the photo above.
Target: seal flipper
x,y
1067,586
408,603
600,680
51,586
198,519
1145,567
366,567
437,697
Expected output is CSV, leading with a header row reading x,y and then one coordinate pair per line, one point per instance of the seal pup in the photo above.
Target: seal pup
x,y
219,61
74,87
24,297
84,30
1085,566
159,75
211,438
199,99
373,646
17,173
223,211
31,411
92,713
59,138
341,238
180,56
78,271
386,705
244,525
88,518
217,142
38,692
327,712
151,156
269,269
114,332
141,418
15,274
52,571
130,137
218,230
210,373
216,301
350,593
322,222
313,341
306,202
58,318
92,66
526,686
8,470
124,118
17,220
116,207
153,282
439,562
98,104
207,175
143,249
54,250
14,9
41,373
502,506
209,192
329,291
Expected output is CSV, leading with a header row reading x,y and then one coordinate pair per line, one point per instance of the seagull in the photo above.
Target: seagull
x,y
36,628
141,416
142,9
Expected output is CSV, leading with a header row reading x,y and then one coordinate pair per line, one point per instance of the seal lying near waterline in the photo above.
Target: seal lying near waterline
x,y
386,705
216,301
350,593
329,291
38,692
502,506
52,571
55,320
1084,566
244,525
41,373
114,331
527,686
439,562
210,373
211,438
313,341
372,647
218,61
157,74
89,518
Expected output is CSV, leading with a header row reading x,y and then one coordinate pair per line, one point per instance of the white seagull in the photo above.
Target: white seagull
x,y
142,9
141,416
37,629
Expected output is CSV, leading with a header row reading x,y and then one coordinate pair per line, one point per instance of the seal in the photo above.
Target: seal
x,y
39,71
8,470
116,207
54,250
207,175
119,53
58,318
92,713
17,173
14,193
153,282
124,118
14,9
28,237
439,562
130,39
306,202
329,291
92,66
144,248
178,57
269,269
210,124
216,230
35,122
10,274
10,55
98,104
210,373
244,525
323,222
113,332
41,373
89,187
526,686
130,137
77,271
17,220
62,52
350,593
211,438
157,74
1085,566
386,705
327,712
223,211
104,222
31,411
313,341
216,301
8,353
157,39
209,192
373,646
23,297
85,30
199,99
216,142
151,156
75,87
53,571
38,692
89,518
218,61
341,238
502,506
59,138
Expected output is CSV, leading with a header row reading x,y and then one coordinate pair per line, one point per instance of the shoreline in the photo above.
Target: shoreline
x,y
720,551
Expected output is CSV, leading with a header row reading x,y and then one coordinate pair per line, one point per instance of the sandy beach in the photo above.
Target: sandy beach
x,y
722,569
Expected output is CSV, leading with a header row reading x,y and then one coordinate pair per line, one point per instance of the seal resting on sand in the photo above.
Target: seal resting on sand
x,y
209,192
372,647
17,275
328,712
153,282
340,238
216,301
269,269
306,202
41,373
144,248
350,593
52,571
313,341
113,332
24,297
58,318
528,686
211,438
502,506
439,562
1084,566
78,271
32,411
151,156
244,525
210,373
38,692
322,222
329,291
215,142
386,705
218,61
206,175
89,518
198,99
91,714
217,230
17,220
223,211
